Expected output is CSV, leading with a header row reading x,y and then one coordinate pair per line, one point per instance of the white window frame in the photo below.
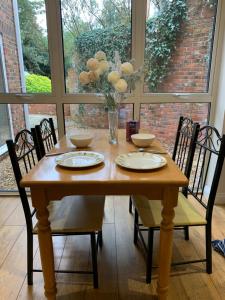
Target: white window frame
x,y
138,97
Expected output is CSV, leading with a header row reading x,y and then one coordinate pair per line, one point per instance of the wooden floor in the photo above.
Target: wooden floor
x,y
121,264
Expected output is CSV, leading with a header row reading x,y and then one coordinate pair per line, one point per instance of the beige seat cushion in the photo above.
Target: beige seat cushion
x,y
76,214
150,212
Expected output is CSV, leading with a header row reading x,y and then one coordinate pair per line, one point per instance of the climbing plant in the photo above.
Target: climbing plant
x,y
161,37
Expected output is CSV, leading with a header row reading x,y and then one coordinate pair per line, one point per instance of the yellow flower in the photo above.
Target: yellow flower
x,y
84,78
121,86
92,64
100,55
127,68
113,76
93,76
103,66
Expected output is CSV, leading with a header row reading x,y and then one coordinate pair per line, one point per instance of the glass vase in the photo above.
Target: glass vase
x,y
113,126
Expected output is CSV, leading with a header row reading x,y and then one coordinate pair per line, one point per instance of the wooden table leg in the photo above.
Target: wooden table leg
x,y
169,201
40,202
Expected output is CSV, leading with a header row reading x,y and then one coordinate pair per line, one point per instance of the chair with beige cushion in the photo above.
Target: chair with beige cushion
x,y
208,148
72,215
186,132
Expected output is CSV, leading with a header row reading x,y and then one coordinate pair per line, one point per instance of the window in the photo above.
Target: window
x,y
178,46
177,55
90,26
5,125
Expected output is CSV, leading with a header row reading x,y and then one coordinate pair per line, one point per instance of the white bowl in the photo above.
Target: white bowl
x,y
142,139
81,140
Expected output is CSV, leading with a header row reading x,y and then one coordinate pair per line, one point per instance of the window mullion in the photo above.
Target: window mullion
x,y
138,45
53,15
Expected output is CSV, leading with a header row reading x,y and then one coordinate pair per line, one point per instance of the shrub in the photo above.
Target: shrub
x,y
38,84
108,40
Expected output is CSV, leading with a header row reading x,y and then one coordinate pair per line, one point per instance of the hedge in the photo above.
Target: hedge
x,y
38,84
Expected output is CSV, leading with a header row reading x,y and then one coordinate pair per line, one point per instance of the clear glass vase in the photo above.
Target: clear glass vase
x,y
113,126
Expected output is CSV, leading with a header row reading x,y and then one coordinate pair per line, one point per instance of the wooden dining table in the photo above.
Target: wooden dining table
x,y
48,181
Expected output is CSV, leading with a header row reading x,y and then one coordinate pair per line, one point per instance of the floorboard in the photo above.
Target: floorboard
x,y
121,264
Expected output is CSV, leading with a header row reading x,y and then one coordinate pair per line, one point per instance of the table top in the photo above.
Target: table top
x,y
47,173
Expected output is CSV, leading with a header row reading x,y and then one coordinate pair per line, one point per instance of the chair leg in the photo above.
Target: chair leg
x,y
208,249
29,258
149,255
186,233
130,205
94,260
135,226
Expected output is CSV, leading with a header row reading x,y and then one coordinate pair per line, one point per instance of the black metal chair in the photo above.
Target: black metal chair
x,y
209,144
185,134
45,135
73,215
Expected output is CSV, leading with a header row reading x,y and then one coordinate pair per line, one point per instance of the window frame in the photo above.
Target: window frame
x,y
3,149
138,97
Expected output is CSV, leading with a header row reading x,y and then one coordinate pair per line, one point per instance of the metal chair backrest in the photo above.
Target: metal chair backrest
x,y
24,154
208,157
187,133
45,134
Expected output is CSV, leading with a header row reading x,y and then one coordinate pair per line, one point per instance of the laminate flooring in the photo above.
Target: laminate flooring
x,y
121,264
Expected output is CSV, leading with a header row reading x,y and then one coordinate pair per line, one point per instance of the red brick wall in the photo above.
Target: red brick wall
x,y
7,30
188,69
42,109
162,119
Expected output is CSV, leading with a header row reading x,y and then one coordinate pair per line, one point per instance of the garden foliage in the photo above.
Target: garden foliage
x,y
38,84
161,36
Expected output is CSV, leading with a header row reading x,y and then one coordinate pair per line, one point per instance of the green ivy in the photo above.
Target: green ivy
x,y
38,84
161,37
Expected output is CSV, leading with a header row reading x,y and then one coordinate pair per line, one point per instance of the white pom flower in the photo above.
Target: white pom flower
x,y
121,86
84,78
92,64
103,66
127,68
113,76
100,55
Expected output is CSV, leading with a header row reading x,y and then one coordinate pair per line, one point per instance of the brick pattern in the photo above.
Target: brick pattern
x,y
7,30
18,119
162,119
188,68
42,109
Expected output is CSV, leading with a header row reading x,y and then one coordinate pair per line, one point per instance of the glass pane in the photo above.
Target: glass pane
x,y
78,116
162,119
21,116
92,26
5,132
24,46
178,46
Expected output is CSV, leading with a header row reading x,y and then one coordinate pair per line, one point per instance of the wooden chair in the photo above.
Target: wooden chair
x,y
73,215
209,144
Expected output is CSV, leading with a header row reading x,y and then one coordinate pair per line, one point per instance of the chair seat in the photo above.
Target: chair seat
x,y
150,212
76,214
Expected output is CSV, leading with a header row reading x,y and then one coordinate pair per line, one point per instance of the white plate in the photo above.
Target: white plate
x,y
141,161
79,159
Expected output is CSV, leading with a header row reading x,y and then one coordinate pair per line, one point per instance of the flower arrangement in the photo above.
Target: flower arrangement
x,y
113,80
